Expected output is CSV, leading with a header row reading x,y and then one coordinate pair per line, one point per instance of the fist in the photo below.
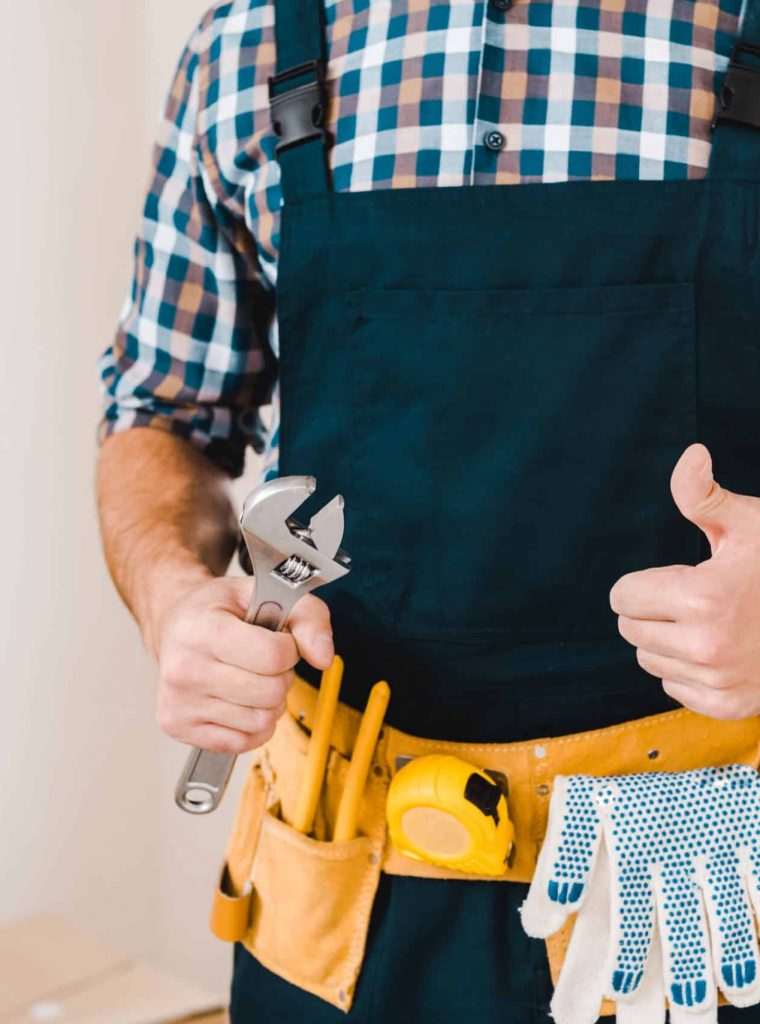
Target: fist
x,y
697,628
223,682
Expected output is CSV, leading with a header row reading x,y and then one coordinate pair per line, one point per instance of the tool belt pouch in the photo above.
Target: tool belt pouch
x,y
300,905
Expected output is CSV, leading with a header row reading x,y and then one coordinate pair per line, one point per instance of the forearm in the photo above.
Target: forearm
x,y
166,519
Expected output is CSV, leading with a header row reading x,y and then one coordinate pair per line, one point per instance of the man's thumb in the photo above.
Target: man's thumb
x,y
700,499
309,623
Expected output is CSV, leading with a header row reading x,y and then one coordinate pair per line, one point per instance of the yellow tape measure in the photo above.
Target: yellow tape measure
x,y
448,812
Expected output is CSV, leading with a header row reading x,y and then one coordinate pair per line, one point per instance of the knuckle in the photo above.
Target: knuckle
x,y
265,719
710,648
626,628
701,604
280,710
177,668
645,660
670,689
166,720
223,641
261,737
277,690
727,707
718,679
241,743
188,630
276,657
267,659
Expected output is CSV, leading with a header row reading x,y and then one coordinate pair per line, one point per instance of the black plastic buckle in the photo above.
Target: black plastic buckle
x,y
299,114
739,99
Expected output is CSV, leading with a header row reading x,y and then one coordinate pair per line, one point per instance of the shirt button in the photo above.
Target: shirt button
x,y
494,140
502,5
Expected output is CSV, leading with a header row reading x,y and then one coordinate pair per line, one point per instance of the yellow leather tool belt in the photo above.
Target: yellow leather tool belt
x,y
301,904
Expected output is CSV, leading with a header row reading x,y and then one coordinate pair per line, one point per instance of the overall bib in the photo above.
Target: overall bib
x,y
500,381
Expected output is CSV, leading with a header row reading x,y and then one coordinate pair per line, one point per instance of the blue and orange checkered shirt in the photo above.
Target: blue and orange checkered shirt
x,y
579,89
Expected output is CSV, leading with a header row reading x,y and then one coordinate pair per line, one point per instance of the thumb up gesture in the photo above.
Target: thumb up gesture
x,y
697,628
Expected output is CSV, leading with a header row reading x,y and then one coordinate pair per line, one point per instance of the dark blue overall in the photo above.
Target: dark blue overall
x,y
500,381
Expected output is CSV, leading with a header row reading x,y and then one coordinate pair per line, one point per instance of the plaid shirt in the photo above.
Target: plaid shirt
x,y
581,89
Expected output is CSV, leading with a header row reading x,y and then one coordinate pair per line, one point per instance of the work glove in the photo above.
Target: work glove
x,y
662,869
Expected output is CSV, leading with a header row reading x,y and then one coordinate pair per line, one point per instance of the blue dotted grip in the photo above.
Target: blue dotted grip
x,y
684,850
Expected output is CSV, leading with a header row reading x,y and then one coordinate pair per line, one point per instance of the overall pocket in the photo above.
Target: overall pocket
x,y
520,443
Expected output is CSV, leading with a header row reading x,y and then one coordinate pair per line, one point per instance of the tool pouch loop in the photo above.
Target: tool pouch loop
x,y
300,904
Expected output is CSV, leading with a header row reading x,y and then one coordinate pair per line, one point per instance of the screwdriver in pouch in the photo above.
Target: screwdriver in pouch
x,y
319,748
361,759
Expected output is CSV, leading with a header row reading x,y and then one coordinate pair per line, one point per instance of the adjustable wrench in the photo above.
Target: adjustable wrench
x,y
289,560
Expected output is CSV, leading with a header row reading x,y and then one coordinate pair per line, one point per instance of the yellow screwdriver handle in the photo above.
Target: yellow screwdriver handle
x,y
358,770
319,747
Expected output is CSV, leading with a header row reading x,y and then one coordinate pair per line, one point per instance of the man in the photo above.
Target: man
x,y
513,269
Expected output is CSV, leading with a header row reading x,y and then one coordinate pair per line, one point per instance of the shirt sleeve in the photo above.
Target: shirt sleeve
x,y
191,354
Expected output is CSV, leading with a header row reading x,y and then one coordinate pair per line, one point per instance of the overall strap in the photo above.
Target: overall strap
x,y
736,127
298,98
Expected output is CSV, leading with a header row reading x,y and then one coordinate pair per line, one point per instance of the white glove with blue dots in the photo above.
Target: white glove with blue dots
x,y
663,870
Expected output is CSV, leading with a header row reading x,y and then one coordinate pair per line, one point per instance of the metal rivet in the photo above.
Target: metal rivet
x,y
342,997
653,755
378,771
374,859
542,790
539,751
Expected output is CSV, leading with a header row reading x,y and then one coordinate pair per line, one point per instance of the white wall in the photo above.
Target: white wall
x,y
190,848
87,822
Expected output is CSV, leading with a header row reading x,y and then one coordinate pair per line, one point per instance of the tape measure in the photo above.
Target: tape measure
x,y
448,812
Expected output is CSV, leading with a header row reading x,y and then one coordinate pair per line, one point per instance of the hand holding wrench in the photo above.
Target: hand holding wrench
x,y
289,561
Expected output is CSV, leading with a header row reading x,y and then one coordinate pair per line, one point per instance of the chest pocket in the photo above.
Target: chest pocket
x,y
513,451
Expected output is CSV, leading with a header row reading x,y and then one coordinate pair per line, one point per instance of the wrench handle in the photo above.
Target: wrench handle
x,y
203,781
205,776
270,615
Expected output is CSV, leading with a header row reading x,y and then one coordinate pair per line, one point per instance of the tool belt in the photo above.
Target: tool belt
x,y
301,904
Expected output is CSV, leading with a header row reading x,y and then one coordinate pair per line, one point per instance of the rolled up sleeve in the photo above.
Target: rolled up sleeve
x,y
191,354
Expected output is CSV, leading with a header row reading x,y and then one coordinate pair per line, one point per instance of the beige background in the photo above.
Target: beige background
x,y
87,821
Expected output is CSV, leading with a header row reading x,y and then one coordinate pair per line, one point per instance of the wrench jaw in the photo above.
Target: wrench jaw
x,y
326,527
290,560
271,505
